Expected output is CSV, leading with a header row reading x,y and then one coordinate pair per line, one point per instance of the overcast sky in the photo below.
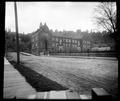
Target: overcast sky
x,y
57,15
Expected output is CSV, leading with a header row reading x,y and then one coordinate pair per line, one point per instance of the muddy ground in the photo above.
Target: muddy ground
x,y
79,74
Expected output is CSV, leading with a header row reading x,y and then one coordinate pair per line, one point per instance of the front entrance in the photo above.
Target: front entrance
x,y
45,48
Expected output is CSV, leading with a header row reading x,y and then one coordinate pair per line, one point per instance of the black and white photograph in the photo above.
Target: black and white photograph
x,y
60,50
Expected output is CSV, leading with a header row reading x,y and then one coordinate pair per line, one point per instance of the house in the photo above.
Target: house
x,y
44,40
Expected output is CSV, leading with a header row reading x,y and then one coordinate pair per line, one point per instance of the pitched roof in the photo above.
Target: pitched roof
x,y
67,35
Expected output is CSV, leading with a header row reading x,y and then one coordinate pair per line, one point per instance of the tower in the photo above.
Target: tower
x,y
40,24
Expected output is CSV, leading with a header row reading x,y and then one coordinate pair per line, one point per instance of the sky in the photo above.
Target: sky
x,y
68,16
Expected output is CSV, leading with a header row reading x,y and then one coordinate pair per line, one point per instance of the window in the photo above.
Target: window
x,y
83,42
36,44
69,40
79,48
56,44
60,41
36,38
33,46
66,40
73,41
78,43
84,46
53,39
88,42
75,45
33,40
53,44
56,39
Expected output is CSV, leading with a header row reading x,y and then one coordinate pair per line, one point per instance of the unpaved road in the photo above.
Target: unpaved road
x,y
79,74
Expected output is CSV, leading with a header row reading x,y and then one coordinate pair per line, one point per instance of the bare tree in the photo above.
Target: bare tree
x,y
106,16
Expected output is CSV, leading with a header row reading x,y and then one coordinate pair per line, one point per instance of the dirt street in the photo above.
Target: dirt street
x,y
79,74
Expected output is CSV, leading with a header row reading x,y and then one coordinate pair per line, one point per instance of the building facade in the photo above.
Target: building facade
x,y
43,40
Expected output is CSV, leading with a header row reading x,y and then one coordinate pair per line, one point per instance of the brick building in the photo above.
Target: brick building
x,y
44,40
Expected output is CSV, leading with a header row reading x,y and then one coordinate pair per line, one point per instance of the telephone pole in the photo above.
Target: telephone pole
x,y
17,36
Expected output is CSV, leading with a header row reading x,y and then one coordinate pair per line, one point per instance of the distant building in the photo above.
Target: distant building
x,y
97,46
44,40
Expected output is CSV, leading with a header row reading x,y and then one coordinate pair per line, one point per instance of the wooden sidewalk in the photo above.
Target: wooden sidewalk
x,y
15,85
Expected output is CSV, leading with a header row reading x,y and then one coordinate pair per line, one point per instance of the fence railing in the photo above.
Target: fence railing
x,y
102,54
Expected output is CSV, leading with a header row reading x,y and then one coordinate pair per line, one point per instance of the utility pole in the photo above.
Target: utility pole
x,y
17,36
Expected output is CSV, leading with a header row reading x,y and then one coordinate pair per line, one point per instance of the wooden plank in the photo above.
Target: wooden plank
x,y
11,71
15,79
20,91
57,95
12,76
72,95
9,94
40,95
32,96
25,91
13,84
8,67
85,97
46,95
17,87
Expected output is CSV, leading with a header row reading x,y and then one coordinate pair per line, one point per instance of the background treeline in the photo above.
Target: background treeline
x,y
24,42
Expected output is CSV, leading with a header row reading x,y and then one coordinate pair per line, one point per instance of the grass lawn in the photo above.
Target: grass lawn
x,y
79,74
